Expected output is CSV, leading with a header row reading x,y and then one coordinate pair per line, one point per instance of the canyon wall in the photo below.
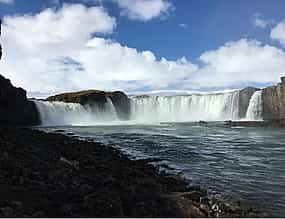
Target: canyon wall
x,y
273,99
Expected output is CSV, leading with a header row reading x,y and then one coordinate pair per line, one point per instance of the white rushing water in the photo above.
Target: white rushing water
x,y
153,109
254,110
210,107
60,113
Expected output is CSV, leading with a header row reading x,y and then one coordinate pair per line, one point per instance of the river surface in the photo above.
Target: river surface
x,y
240,163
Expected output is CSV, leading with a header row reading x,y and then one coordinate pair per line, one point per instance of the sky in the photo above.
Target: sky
x,y
138,46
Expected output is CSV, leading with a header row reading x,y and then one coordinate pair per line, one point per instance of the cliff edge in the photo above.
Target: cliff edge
x,y
15,108
99,98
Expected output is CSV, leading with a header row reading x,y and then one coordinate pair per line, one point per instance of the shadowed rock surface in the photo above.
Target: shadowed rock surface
x,y
120,100
15,108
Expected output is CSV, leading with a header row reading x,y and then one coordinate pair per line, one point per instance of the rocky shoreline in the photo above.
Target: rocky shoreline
x,y
53,175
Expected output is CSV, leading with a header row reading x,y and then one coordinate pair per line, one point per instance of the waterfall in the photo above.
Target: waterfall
x,y
209,107
254,110
60,113
149,109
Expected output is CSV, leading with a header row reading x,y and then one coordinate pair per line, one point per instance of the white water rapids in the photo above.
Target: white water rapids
x,y
152,109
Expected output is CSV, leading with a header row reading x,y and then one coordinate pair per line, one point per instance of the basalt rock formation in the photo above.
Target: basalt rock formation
x,y
273,99
15,108
120,100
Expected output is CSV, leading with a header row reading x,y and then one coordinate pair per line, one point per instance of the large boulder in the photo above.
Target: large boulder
x,y
244,99
15,108
273,99
98,98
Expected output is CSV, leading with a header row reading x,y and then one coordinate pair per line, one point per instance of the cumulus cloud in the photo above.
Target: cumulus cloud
x,y
185,26
240,62
278,33
144,10
58,50
32,43
7,1
115,66
260,22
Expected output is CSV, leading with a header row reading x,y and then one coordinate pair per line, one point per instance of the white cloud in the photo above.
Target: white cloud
x,y
56,51
185,26
32,43
239,62
112,65
144,10
278,33
260,22
7,1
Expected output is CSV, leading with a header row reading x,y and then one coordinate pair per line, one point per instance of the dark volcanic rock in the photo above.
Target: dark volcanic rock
x,y
273,99
15,108
98,98
244,98
34,182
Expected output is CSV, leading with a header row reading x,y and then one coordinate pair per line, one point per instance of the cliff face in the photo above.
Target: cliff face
x,y
244,99
99,98
273,99
15,108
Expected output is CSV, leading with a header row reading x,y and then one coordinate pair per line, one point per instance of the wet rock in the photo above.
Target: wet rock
x,y
7,211
195,196
205,208
74,164
38,214
86,189
67,210
16,205
103,204
202,122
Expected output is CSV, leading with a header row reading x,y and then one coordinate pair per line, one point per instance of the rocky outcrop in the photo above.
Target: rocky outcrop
x,y
15,108
244,99
120,100
273,99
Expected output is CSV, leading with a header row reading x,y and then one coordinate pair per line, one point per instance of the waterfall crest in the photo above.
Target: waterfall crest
x,y
254,110
210,107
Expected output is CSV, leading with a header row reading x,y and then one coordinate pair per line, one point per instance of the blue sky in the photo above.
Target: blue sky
x,y
186,28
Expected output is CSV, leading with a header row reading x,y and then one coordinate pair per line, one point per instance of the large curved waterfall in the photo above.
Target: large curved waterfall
x,y
149,109
210,107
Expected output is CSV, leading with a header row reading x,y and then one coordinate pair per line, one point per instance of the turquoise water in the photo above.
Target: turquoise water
x,y
241,163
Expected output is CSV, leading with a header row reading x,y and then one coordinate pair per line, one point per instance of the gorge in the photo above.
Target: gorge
x,y
91,107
